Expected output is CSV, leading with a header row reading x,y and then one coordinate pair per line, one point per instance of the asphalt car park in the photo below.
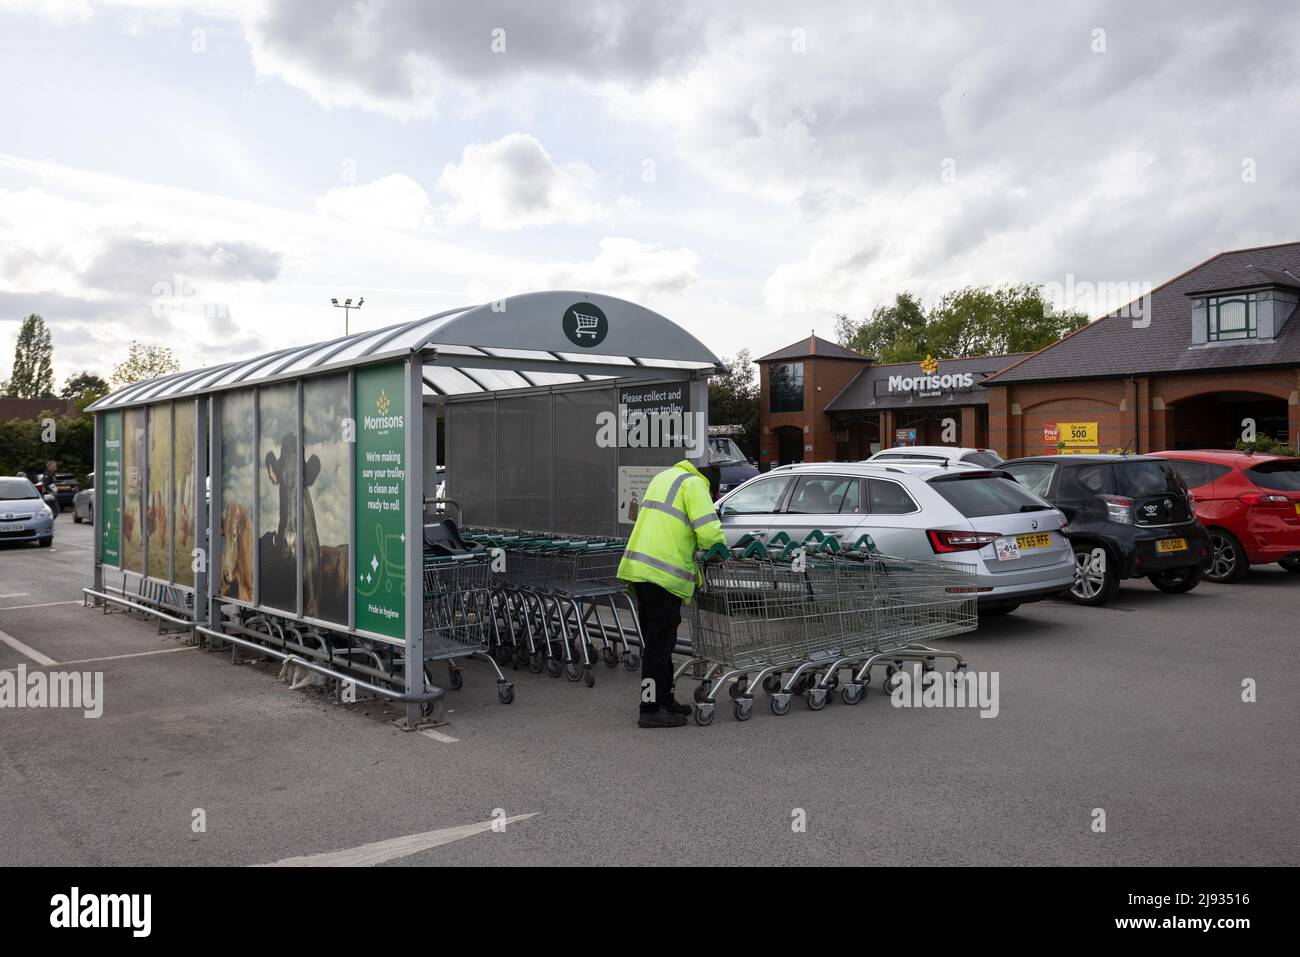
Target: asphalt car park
x,y
1135,708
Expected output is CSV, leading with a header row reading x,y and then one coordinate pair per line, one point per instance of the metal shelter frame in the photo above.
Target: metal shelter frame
x,y
531,341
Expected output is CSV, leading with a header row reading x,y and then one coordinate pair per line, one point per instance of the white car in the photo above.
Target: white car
x,y
981,458
1013,539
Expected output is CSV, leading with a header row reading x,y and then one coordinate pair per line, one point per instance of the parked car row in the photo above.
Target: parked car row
x,y
1038,527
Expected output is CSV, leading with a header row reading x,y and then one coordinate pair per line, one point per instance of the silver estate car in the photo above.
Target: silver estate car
x,y
24,516
1014,540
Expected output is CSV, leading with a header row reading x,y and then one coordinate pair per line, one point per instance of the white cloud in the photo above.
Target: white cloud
x,y
394,201
513,182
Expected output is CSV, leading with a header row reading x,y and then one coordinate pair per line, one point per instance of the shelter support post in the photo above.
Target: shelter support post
x,y
414,466
98,498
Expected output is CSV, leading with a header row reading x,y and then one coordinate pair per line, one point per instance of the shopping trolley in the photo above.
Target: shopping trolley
x,y
792,621
587,325
458,615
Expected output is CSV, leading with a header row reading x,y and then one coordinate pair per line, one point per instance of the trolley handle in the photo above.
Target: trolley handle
x,y
716,553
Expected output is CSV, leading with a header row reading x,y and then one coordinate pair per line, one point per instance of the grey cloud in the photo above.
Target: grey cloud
x,y
133,265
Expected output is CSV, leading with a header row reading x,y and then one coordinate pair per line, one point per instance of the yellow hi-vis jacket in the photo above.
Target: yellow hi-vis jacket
x,y
675,519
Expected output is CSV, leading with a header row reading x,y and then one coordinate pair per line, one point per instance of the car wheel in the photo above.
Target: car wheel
x,y
1229,563
997,611
76,519
1291,563
1175,581
47,542
1095,578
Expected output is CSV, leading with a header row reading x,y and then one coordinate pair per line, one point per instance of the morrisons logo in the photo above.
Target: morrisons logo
x,y
384,422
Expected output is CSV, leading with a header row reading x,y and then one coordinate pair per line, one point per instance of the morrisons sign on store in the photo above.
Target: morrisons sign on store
x,y
931,383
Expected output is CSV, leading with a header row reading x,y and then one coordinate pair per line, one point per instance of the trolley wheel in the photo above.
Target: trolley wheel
x,y
817,698
891,682
573,671
702,691
631,661
704,715
738,688
505,692
743,708
456,678
610,656
772,684
553,667
780,704
536,662
589,676
852,693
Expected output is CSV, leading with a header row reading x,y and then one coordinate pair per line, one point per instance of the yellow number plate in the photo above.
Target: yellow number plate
x,y
1041,540
1297,508
1166,545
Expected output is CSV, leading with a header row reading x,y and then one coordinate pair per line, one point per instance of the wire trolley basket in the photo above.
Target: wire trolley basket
x,y
456,605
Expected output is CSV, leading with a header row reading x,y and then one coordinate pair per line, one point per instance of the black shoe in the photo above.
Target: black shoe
x,y
660,718
676,707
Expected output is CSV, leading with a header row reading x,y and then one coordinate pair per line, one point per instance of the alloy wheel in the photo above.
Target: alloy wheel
x,y
1225,558
1089,574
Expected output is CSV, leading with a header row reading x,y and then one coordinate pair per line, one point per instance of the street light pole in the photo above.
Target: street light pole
x,y
347,306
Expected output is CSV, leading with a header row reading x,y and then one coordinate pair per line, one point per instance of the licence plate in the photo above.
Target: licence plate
x,y
1297,508
1040,540
1166,545
13,528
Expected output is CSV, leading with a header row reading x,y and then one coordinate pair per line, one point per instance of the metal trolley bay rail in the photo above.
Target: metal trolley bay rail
x,y
792,622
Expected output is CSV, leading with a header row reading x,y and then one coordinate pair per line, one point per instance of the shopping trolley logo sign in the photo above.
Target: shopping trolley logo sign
x,y
585,324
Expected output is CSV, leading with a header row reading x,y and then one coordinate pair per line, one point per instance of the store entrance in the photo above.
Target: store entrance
x,y
1218,420
789,444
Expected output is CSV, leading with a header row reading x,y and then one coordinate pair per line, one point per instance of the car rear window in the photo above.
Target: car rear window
x,y
983,458
977,495
1282,475
1138,479
16,488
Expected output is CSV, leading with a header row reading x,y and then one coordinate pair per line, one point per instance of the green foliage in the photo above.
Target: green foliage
x,y
144,362
733,399
32,376
975,321
84,388
1263,444
22,448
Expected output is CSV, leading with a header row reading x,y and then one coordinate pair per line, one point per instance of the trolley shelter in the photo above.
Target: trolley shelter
x,y
279,503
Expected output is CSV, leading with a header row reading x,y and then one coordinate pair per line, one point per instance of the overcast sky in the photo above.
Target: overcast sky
x,y
207,175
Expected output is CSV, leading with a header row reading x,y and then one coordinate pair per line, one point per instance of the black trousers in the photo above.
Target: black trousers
x,y
660,612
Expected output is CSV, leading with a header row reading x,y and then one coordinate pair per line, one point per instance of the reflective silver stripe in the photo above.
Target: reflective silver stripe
x,y
705,519
659,564
672,489
676,513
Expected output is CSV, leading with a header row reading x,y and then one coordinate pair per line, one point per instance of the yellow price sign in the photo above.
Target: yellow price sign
x,y
1076,435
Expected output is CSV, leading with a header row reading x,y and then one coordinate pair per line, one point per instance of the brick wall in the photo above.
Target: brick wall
x,y
823,379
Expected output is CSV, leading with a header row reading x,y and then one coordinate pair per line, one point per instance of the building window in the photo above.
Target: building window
x,y
1232,317
786,387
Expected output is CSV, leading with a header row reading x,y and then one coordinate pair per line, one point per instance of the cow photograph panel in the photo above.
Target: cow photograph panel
x,y
277,497
184,428
158,547
238,477
133,530
326,486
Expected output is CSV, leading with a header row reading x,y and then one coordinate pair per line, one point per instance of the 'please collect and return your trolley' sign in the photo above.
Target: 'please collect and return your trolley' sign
x,y
379,581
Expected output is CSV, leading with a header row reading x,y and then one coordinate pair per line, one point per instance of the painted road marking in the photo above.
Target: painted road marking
x,y
15,594
381,851
86,661
25,650
438,736
44,604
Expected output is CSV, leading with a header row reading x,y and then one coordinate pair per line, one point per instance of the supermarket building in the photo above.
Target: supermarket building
x,y
1207,358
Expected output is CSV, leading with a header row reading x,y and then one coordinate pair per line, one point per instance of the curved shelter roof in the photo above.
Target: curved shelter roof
x,y
514,343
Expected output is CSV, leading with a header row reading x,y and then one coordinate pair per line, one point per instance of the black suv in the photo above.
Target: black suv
x,y
1129,517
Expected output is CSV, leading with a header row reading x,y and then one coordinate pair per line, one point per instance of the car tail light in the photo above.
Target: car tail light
x,y
1264,500
945,540
1119,508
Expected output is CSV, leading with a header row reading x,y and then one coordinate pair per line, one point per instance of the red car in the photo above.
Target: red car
x,y
1250,505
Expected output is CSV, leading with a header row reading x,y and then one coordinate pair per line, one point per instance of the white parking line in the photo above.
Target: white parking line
x,y
86,661
438,736
25,650
44,604
15,594
381,851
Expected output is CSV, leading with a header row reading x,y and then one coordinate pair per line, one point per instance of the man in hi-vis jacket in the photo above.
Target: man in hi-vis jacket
x,y
676,519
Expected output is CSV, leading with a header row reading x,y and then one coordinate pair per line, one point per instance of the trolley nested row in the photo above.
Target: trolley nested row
x,y
794,621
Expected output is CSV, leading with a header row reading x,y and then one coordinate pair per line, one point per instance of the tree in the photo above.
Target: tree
x,y
33,372
733,399
974,321
895,333
144,362
84,388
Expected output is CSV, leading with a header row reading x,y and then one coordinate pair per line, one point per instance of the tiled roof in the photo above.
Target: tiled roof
x,y
813,346
1114,346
